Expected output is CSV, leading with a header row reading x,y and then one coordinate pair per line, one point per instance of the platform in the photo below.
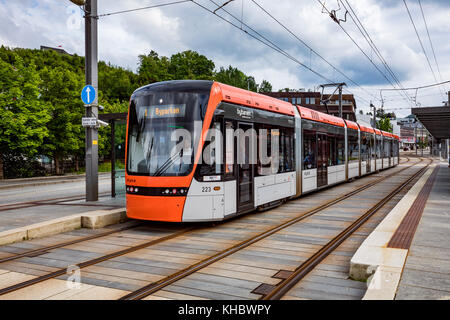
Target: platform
x,y
426,274
407,255
29,210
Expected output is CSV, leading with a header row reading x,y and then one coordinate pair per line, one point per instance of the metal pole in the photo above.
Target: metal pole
x,y
340,101
113,158
374,116
415,138
92,110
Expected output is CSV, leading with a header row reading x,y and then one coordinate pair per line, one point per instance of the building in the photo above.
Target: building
x,y
59,50
312,100
411,131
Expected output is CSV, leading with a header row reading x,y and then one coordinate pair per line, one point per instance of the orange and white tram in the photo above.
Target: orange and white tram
x,y
206,151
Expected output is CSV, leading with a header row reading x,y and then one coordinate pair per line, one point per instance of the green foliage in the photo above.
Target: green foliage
x,y
60,88
265,86
384,124
191,65
41,109
153,68
235,77
24,115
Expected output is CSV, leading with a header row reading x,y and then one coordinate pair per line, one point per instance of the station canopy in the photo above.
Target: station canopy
x,y
435,119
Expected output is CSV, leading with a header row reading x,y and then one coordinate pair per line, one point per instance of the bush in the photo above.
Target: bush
x,y
18,166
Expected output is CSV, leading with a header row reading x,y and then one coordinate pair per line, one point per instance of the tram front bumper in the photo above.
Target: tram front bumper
x,y
155,208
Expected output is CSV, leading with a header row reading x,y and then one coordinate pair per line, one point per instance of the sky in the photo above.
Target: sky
x,y
186,26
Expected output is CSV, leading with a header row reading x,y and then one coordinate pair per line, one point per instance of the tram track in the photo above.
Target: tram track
x,y
147,290
159,285
50,201
301,271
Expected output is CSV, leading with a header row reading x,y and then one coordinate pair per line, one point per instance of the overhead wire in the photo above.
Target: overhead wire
x,y
420,41
310,48
266,41
142,8
362,51
373,46
431,42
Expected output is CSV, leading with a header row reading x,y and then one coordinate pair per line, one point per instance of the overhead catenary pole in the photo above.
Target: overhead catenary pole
x,y
340,101
91,53
374,124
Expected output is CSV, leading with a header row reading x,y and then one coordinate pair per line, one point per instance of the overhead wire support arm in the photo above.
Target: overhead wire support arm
x,y
310,48
372,45
359,47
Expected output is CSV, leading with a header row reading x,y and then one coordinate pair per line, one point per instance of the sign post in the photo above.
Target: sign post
x,y
90,100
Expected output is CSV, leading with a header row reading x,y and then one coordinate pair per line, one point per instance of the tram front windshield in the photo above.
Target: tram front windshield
x,y
163,132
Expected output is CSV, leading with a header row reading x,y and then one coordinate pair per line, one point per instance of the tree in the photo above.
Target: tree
x,y
61,88
116,83
24,115
265,86
191,65
384,124
153,68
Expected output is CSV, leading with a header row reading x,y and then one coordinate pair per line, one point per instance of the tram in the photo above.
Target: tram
x,y
205,151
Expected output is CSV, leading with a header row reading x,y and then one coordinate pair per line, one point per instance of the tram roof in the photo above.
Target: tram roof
x,y
309,114
366,128
377,131
254,100
351,124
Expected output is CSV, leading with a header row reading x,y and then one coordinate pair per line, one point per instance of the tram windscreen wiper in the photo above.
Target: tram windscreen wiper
x,y
166,165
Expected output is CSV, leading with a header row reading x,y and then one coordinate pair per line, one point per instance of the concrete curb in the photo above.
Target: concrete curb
x,y
374,261
91,220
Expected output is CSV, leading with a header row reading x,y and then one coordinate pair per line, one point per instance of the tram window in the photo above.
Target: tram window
x,y
372,145
364,147
309,149
264,157
287,158
340,149
229,150
332,160
387,148
353,146
212,159
378,146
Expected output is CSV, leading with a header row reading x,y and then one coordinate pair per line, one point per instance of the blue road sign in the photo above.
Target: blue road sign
x,y
88,94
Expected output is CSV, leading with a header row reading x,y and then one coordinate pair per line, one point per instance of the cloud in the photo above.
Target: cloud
x,y
167,30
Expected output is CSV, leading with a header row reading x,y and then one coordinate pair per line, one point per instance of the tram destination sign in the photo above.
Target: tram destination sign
x,y
89,122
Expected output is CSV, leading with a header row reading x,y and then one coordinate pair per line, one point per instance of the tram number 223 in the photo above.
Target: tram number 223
x,y
206,189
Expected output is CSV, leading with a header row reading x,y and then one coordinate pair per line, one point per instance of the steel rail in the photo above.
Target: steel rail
x,y
36,252
158,285
84,264
283,287
81,265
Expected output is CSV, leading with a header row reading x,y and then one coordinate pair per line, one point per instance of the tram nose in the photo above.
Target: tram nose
x,y
155,208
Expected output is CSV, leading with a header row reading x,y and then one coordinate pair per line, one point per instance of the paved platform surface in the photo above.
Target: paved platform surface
x,y
426,274
31,204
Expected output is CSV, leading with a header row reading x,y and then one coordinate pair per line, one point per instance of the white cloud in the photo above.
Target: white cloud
x,y
167,30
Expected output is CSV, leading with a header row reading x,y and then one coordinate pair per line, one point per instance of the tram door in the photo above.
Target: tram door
x,y
244,170
322,159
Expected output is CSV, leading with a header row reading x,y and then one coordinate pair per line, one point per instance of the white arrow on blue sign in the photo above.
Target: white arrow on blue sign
x,y
88,94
